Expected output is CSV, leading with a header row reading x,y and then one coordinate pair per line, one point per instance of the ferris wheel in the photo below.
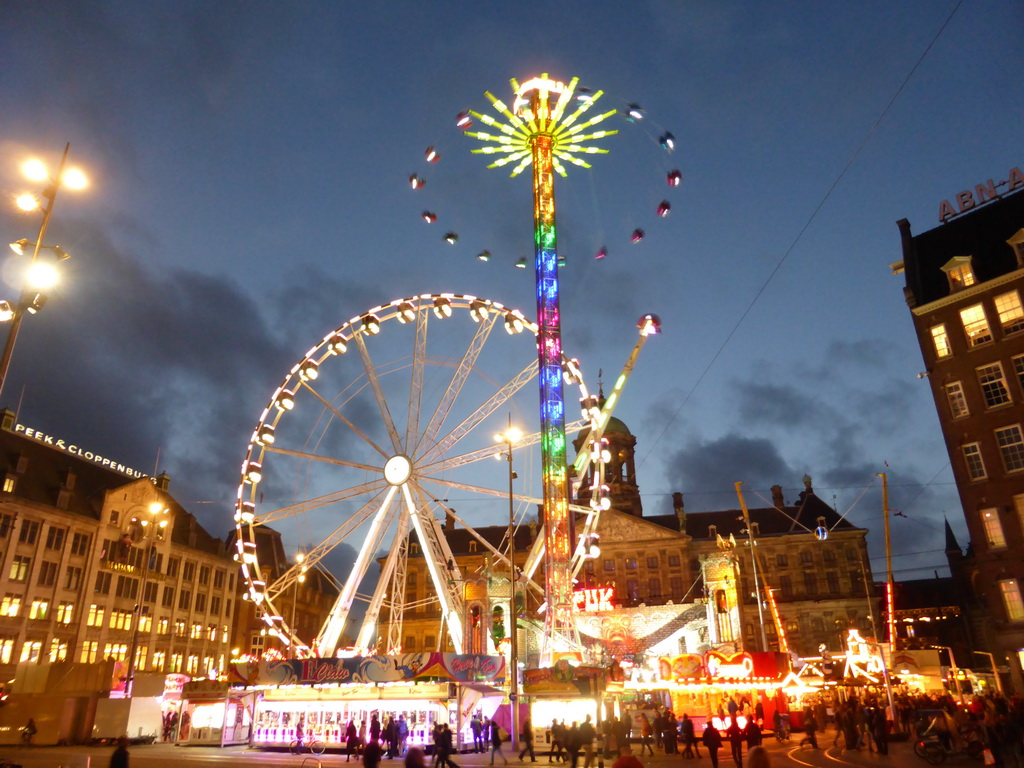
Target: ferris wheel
x,y
384,426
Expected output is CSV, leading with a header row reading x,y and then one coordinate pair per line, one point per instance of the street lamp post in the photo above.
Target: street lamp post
x,y
995,672
953,669
31,299
156,519
509,437
300,557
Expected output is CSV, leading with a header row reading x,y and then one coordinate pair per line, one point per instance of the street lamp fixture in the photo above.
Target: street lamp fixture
x,y
510,437
41,273
300,558
154,520
995,671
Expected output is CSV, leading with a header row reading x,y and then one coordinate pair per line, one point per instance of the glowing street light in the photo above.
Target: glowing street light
x,y
510,437
41,273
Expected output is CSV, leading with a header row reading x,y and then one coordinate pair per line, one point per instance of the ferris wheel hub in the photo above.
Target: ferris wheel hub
x,y
397,470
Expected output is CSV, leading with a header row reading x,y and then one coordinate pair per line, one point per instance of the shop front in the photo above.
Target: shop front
x,y
564,693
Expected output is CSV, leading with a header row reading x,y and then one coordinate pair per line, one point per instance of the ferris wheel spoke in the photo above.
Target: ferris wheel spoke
x,y
469,358
492,404
283,513
328,543
378,392
344,420
384,582
419,359
334,626
324,459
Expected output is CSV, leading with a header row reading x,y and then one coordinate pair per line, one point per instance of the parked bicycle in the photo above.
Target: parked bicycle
x,y
308,747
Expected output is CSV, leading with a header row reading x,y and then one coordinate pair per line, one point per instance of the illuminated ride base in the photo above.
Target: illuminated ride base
x,y
539,132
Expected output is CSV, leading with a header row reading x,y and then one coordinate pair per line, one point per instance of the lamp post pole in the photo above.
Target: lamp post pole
x,y
50,194
156,510
995,672
509,437
953,669
300,578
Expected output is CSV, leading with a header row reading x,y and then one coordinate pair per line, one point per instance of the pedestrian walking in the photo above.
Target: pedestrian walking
x,y
689,737
445,745
712,742
528,740
496,743
572,745
645,734
120,757
586,734
557,742
810,730
477,729
754,735
351,740
735,735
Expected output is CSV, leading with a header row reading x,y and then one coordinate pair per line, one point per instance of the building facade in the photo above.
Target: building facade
x,y
653,568
963,286
88,574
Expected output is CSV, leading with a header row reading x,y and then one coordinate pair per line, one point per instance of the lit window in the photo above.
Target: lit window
x,y
39,609
58,649
9,483
1011,314
6,650
31,650
975,464
11,605
957,401
20,566
961,277
95,618
1010,590
993,385
1018,505
975,325
65,613
993,528
1011,445
941,341
90,650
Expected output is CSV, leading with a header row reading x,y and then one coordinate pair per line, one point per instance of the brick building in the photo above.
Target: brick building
x,y
963,286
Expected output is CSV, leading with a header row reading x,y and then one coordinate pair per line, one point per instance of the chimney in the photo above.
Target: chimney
x,y
677,505
540,514
712,531
162,481
449,520
6,419
777,499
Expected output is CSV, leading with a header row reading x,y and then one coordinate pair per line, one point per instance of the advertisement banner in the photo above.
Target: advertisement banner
x,y
565,680
465,667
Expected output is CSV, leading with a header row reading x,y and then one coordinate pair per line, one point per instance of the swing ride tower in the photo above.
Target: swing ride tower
x,y
538,131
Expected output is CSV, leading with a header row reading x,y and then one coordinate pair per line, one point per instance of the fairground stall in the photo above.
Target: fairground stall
x,y
214,714
702,685
319,697
563,692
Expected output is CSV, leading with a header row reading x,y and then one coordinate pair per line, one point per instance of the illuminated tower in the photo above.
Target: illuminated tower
x,y
538,131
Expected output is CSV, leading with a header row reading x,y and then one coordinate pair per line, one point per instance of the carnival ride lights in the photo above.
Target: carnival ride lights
x,y
391,481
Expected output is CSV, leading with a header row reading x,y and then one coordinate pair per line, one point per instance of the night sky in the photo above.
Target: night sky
x,y
250,164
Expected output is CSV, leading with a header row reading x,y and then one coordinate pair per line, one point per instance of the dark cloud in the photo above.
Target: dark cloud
x,y
704,470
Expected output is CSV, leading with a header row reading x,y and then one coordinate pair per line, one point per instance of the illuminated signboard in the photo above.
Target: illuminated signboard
x,y
593,600
981,194
75,450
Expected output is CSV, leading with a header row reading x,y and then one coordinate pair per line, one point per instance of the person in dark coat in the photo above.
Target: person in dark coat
x,y
351,740
810,730
754,735
371,754
478,734
374,728
496,743
713,742
689,737
735,735
528,740
120,757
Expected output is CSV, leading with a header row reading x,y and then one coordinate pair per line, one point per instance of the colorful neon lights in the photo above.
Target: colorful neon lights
x,y
537,131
